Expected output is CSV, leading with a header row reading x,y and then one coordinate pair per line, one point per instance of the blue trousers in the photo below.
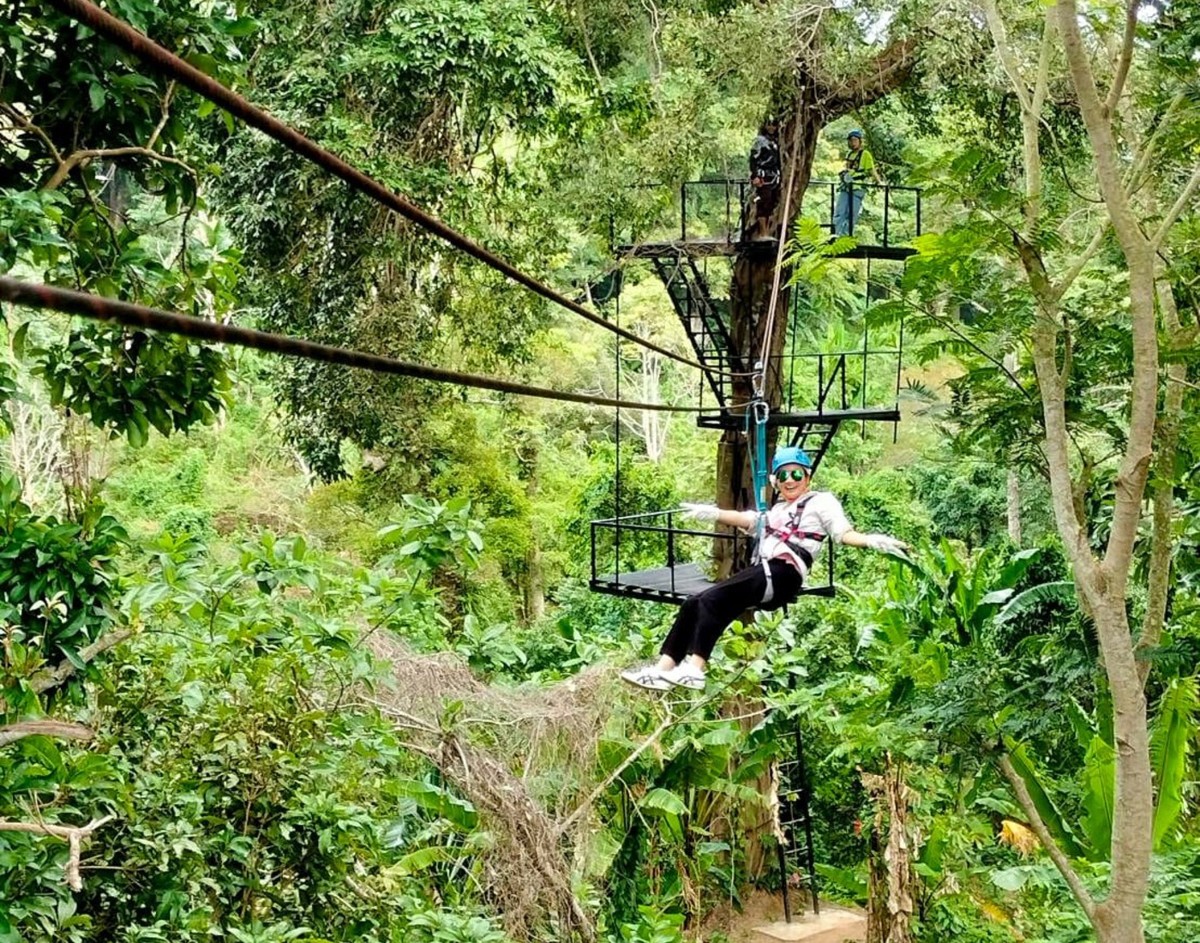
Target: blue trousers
x,y
845,216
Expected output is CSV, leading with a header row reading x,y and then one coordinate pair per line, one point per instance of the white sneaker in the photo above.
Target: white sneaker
x,y
685,675
646,676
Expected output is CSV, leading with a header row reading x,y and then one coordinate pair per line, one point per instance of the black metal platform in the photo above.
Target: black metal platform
x,y
710,218
663,584
700,248
716,247
671,584
736,420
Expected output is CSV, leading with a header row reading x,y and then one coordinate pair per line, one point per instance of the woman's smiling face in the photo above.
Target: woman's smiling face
x,y
786,483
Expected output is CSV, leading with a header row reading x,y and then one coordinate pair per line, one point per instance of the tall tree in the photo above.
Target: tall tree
x,y
1090,303
809,95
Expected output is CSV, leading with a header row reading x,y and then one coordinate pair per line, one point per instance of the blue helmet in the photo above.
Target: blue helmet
x,y
790,455
855,133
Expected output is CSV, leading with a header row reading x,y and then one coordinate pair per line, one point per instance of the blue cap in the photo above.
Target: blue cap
x,y
790,455
855,133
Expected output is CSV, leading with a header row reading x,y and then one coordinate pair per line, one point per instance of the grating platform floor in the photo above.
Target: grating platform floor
x,y
671,584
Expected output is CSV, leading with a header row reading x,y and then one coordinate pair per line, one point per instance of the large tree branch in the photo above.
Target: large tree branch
x,y
11,733
51,678
1058,464
1140,259
1057,855
1008,59
79,158
1124,58
1162,499
886,72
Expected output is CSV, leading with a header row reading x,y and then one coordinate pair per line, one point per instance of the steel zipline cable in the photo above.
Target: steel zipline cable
x,y
170,65
139,316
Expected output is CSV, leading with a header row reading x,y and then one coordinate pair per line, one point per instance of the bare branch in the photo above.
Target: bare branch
x,y
79,158
1124,59
1162,499
1041,82
1007,60
1057,855
25,124
73,835
582,808
1185,197
166,114
45,680
11,733
1059,289
1133,180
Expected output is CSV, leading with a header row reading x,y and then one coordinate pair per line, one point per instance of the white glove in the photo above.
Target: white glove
x,y
885,544
700,512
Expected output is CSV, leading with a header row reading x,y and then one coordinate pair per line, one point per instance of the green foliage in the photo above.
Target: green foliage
x,y
29,222
1170,745
129,382
966,502
57,588
644,489
252,801
433,535
8,390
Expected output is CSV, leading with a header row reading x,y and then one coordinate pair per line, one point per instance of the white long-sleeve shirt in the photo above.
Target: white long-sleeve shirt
x,y
821,514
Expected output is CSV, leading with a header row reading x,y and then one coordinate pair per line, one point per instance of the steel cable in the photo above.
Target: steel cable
x,y
132,315
168,64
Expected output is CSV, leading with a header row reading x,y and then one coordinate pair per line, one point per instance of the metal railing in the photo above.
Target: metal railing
x,y
717,211
835,382
894,224
680,546
672,537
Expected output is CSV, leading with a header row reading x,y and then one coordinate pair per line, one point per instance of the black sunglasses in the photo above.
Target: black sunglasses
x,y
797,474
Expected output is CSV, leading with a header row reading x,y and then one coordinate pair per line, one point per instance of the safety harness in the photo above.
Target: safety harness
x,y
791,537
853,174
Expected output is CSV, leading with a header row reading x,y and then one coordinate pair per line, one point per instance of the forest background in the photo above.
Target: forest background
x,y
293,652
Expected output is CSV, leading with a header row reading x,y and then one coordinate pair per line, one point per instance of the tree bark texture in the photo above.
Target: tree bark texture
x,y
891,877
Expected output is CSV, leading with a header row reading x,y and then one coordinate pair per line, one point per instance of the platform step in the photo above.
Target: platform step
x,y
832,925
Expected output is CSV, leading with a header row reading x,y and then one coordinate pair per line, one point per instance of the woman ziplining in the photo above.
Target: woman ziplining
x,y
791,534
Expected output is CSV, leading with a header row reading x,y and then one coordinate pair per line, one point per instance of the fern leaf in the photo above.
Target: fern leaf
x,y
1058,591
1169,740
1099,771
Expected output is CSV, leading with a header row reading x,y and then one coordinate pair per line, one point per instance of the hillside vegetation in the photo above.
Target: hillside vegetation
x,y
301,652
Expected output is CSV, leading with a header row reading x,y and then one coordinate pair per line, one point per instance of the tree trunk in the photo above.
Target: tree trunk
x,y
749,304
891,878
1118,919
1014,480
534,589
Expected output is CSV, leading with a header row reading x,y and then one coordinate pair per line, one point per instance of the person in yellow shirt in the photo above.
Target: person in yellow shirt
x,y
858,169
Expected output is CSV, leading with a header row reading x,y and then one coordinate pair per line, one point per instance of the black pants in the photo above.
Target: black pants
x,y
703,617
